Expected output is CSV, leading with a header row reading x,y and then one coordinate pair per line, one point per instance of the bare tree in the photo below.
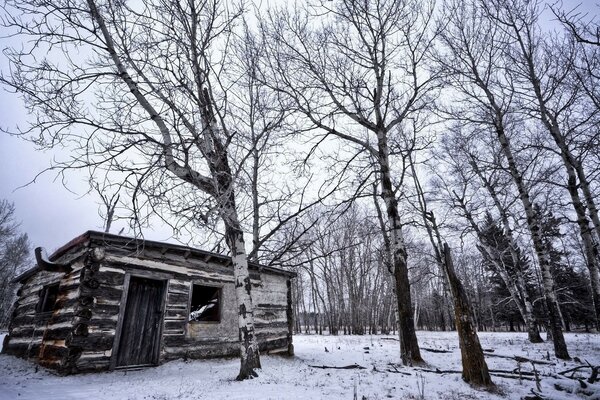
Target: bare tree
x,y
472,68
355,71
468,171
543,91
142,89
14,257
475,370
110,201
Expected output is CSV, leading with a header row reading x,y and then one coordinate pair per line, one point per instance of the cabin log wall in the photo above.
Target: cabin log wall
x,y
81,334
44,337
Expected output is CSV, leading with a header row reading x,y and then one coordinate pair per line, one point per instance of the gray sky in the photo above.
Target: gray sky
x,y
48,212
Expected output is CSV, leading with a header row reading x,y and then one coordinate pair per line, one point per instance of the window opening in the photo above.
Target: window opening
x,y
48,296
205,306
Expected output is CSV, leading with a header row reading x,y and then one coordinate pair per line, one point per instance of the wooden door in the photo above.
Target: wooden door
x,y
140,329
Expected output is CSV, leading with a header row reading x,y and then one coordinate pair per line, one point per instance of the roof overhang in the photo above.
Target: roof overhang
x,y
109,239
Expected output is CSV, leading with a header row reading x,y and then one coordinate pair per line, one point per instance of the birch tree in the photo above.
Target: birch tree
x,y
141,88
14,258
544,93
465,172
474,47
354,71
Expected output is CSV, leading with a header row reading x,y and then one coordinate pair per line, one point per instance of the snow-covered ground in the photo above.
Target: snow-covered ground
x,y
295,378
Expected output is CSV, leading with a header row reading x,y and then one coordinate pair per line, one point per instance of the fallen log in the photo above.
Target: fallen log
x,y
439,371
521,378
435,350
593,374
536,396
520,359
351,366
512,372
528,376
396,371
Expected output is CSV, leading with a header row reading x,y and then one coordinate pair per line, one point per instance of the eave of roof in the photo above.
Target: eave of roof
x,y
112,239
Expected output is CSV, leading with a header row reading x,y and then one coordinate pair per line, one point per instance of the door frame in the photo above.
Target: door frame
x,y
160,277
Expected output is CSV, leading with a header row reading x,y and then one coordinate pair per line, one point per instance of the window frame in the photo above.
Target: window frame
x,y
219,289
43,307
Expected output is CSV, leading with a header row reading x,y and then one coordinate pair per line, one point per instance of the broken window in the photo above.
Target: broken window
x,y
206,304
47,299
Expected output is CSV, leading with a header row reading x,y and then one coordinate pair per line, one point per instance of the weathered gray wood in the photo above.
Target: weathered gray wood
x,y
83,331
290,318
113,361
140,333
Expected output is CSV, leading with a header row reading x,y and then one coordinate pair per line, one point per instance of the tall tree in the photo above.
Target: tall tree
x,y
14,257
147,94
355,71
544,93
461,176
474,46
475,370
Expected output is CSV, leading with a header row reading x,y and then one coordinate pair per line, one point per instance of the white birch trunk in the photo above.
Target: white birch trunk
x,y
249,351
550,120
560,347
519,285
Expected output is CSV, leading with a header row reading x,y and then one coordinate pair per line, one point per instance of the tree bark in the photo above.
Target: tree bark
x,y
589,198
523,301
409,347
497,119
560,347
549,119
590,249
475,370
249,354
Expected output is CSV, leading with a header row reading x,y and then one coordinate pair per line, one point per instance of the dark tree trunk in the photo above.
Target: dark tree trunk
x,y
409,346
475,370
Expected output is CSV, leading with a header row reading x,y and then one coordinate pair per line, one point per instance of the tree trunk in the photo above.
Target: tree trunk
x,y
475,370
589,198
550,121
249,354
409,347
515,288
560,347
255,201
591,252
524,303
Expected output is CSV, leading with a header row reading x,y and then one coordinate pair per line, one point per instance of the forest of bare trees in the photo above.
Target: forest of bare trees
x,y
14,258
419,164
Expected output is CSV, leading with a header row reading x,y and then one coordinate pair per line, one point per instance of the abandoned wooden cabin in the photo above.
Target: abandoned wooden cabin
x,y
104,301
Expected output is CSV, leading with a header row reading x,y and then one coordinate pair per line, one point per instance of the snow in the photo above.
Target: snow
x,y
294,378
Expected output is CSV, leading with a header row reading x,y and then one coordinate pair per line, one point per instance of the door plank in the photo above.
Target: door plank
x,y
139,342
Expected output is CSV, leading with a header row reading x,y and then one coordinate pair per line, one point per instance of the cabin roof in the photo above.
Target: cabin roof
x,y
136,244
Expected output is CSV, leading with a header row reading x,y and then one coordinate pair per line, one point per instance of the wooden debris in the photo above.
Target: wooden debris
x,y
394,369
520,359
435,350
351,366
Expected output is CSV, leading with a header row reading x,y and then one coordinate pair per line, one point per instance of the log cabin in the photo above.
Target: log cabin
x,y
104,301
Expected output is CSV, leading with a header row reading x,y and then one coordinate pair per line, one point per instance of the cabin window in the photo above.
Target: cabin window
x,y
206,304
47,299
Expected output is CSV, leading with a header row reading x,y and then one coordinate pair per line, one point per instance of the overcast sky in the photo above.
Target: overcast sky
x,y
48,212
